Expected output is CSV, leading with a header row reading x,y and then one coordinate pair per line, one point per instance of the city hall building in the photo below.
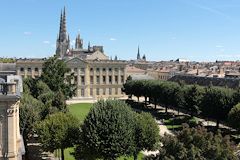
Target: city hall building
x,y
95,74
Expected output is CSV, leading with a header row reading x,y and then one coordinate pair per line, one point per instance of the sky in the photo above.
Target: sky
x,y
198,30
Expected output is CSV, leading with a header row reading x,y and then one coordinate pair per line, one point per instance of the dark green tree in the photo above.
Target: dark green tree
x,y
216,103
147,133
107,132
193,97
58,131
29,115
236,97
234,117
57,76
195,143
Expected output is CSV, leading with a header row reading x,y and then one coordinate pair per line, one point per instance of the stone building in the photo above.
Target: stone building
x,y
95,75
11,144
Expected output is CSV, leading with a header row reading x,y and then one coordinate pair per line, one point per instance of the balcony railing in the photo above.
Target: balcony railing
x,y
9,89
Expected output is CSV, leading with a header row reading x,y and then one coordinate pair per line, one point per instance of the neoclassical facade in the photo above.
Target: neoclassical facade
x,y
99,79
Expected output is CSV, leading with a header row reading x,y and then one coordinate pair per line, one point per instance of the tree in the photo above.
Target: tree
x,y
29,115
234,117
129,78
58,131
54,75
147,133
192,98
236,97
127,88
107,132
195,143
216,103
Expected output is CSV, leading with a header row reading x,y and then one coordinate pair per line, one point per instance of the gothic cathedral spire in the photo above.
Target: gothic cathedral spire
x,y
63,41
63,28
138,54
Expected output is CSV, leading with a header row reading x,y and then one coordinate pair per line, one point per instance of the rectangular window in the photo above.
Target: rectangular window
x,y
116,91
122,79
97,69
82,70
75,70
97,91
104,91
110,91
116,79
91,92
75,80
110,69
82,92
91,69
116,69
104,79
110,79
29,69
104,69
82,80
91,79
36,69
21,69
98,79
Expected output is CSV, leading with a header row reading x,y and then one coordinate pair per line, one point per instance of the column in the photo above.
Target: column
x,y
32,72
78,82
87,82
25,72
107,79
11,131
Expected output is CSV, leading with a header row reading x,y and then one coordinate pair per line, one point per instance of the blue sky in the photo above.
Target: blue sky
x,y
201,30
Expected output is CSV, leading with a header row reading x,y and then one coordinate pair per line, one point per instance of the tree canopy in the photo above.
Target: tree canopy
x,y
195,143
107,131
58,131
234,117
55,76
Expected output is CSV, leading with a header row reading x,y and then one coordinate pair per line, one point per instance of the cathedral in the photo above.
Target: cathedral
x,y
65,51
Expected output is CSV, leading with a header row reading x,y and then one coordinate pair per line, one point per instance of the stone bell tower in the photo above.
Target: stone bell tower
x,y
11,146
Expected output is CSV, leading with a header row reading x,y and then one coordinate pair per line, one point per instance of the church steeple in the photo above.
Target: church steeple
x,y
63,28
138,54
63,40
60,28
78,42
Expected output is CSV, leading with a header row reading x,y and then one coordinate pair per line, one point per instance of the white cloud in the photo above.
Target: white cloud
x,y
27,33
46,42
112,39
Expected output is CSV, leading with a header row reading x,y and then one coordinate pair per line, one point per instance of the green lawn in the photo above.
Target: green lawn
x,y
80,111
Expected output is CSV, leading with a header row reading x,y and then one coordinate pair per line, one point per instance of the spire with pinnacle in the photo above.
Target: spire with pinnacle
x,y
138,54
63,40
78,42
63,28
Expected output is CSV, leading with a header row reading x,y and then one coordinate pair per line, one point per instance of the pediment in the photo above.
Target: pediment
x,y
75,60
